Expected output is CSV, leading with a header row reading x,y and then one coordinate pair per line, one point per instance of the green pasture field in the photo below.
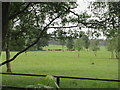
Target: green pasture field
x,y
66,64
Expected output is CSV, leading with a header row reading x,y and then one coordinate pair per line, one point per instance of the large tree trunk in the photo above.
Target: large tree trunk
x,y
0,28
5,20
8,58
8,66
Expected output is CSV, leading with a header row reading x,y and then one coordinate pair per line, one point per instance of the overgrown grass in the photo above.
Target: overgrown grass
x,y
64,63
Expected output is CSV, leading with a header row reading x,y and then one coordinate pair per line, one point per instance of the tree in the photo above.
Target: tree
x,y
94,46
0,28
111,46
50,11
70,43
8,52
41,43
5,20
86,41
117,47
60,35
78,45
114,32
111,17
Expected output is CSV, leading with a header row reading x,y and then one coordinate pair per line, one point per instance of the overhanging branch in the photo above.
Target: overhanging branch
x,y
65,27
88,23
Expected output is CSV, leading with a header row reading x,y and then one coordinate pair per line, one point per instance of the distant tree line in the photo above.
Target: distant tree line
x,y
77,40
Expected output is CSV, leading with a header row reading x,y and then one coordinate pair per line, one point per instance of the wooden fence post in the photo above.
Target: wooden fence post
x,y
58,81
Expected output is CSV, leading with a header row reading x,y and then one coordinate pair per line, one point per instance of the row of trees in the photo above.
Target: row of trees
x,y
83,43
80,43
76,40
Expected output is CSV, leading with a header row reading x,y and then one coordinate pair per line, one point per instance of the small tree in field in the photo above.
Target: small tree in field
x,y
60,36
117,47
78,45
114,46
70,44
94,46
86,42
111,47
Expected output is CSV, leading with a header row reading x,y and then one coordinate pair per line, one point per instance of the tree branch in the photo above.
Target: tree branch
x,y
65,27
88,23
19,12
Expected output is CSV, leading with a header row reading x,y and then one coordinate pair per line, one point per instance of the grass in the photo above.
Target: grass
x,y
64,63
54,47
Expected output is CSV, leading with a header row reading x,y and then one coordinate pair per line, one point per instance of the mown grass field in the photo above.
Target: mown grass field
x,y
63,63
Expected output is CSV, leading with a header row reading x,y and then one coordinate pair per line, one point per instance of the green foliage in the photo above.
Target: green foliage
x,y
17,44
40,44
86,42
50,80
48,83
82,18
16,38
70,44
27,25
117,43
111,45
60,36
78,44
109,13
20,38
94,45
114,45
